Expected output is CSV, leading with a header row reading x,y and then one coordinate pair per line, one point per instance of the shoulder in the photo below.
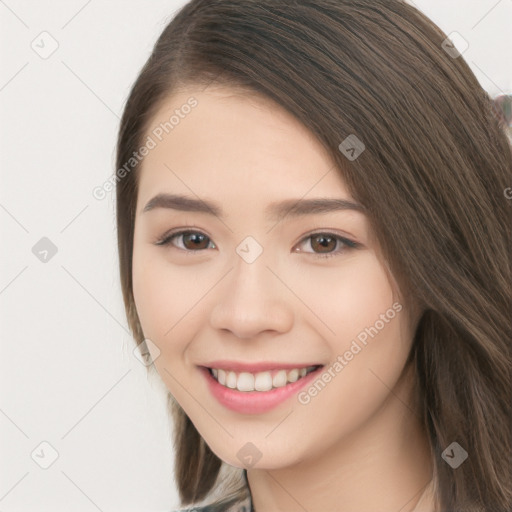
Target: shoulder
x,y
244,506
209,508
194,509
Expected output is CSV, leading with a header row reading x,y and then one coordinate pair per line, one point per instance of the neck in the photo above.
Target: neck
x,y
385,465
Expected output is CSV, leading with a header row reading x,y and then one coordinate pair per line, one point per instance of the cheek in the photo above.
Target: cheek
x,y
163,301
159,294
371,316
171,301
346,298
371,343
368,328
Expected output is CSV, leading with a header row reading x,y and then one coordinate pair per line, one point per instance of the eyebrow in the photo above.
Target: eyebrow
x,y
276,210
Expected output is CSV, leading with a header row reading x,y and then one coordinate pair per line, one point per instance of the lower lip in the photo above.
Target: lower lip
x,y
255,402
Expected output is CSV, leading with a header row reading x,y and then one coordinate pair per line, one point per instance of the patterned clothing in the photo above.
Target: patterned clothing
x,y
425,504
245,506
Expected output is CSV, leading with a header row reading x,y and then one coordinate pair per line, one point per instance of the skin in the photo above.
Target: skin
x,y
358,444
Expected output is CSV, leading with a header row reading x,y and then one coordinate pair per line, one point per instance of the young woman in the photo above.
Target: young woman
x,y
314,241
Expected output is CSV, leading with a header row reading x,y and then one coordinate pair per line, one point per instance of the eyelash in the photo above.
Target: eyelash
x,y
349,244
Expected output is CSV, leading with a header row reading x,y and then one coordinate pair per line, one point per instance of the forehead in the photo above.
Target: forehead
x,y
233,140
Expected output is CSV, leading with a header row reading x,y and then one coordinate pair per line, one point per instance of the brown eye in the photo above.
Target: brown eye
x,y
323,242
325,245
195,241
190,241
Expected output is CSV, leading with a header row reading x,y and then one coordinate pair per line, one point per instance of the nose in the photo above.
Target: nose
x,y
252,300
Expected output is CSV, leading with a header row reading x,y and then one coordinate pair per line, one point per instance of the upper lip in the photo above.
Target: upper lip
x,y
238,366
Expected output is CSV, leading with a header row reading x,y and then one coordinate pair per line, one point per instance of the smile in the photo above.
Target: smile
x,y
261,381
259,391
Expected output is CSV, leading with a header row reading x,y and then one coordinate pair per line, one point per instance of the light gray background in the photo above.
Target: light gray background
x,y
68,375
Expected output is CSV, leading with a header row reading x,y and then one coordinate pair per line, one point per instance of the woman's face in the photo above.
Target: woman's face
x,y
259,288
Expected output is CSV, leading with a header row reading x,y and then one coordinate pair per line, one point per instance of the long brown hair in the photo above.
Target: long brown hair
x,y
432,177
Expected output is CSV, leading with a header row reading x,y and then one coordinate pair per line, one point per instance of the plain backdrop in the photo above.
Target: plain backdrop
x,y
82,427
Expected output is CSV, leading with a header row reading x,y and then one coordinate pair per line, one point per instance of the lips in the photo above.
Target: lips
x,y
254,401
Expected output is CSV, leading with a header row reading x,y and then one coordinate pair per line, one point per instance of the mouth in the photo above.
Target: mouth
x,y
260,381
267,386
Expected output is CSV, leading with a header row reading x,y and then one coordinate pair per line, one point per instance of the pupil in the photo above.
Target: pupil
x,y
196,238
324,241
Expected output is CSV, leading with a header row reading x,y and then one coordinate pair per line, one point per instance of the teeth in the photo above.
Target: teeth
x,y
231,380
262,381
293,375
245,382
280,379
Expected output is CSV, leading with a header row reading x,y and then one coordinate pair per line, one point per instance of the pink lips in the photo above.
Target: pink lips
x,y
254,402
